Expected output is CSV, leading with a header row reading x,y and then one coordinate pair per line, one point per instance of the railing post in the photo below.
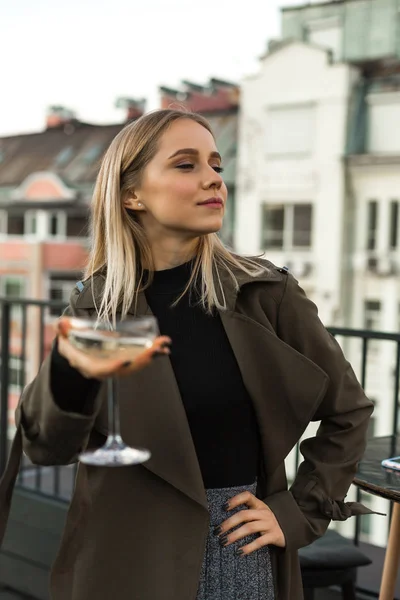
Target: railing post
x,y
4,382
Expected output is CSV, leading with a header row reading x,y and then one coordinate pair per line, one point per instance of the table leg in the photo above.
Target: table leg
x,y
392,557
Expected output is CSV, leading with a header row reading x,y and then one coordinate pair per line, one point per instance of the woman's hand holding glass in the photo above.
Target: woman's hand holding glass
x,y
99,351
93,367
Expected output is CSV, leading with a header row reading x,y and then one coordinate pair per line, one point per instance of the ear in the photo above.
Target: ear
x,y
133,203
130,201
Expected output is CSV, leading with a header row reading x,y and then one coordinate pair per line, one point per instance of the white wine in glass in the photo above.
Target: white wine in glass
x,y
125,341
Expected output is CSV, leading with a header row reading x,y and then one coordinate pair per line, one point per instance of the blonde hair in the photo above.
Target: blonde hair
x,y
119,245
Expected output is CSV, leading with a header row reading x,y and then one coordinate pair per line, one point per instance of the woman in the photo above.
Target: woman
x,y
209,517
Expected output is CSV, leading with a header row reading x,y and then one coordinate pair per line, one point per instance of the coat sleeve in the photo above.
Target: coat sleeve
x,y
51,434
331,457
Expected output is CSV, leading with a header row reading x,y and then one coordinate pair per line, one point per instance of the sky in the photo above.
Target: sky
x,y
83,54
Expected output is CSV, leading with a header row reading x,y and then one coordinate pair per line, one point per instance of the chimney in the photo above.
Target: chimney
x,y
58,116
134,108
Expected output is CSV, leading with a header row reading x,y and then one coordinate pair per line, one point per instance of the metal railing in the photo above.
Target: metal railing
x,y
26,337
366,337
24,324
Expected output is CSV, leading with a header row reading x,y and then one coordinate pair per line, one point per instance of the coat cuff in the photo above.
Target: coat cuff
x,y
300,531
297,529
52,435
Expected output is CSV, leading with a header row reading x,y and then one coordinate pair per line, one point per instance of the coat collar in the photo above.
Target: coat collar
x,y
91,293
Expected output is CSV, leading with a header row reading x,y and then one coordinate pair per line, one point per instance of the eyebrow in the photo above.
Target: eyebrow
x,y
194,152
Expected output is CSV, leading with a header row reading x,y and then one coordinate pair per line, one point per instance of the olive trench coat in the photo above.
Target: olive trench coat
x,y
138,533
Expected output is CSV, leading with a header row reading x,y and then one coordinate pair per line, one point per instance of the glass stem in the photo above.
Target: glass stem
x,y
113,411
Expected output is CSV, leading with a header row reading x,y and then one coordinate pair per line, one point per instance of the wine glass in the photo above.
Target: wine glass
x,y
125,341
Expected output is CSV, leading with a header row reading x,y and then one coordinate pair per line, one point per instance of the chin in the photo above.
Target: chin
x,y
197,229
212,226
208,230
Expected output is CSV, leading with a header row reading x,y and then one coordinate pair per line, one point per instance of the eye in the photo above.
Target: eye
x,y
185,167
218,169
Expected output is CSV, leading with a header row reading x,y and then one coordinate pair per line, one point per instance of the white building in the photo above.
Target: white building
x,y
318,185
291,180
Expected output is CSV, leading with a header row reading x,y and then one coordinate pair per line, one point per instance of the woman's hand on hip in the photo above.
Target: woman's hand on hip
x,y
99,368
258,518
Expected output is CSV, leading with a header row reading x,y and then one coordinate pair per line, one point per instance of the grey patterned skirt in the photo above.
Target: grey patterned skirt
x,y
226,575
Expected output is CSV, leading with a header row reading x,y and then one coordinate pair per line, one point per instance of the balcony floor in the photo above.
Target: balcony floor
x,y
321,595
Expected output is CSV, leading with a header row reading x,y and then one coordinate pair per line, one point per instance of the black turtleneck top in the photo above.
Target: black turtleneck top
x,y
218,407
219,410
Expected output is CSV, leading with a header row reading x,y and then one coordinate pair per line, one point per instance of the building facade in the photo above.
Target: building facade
x,y
46,183
318,178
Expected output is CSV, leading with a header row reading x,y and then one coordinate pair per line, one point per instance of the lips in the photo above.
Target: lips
x,y
214,200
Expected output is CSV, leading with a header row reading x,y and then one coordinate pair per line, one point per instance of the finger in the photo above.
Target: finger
x,y
63,325
244,516
257,544
244,531
160,346
89,366
244,498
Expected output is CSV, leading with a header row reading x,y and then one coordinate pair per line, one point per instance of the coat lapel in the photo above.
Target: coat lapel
x,y
159,420
152,415
285,386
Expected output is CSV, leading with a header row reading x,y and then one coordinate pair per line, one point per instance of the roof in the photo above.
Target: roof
x,y
283,44
73,152
312,5
215,97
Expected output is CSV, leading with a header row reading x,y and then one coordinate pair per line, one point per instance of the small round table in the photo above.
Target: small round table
x,y
373,478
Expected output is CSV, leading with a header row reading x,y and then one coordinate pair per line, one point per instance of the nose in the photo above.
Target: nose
x,y
212,179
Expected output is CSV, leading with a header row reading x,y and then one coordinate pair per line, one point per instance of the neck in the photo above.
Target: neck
x,y
171,252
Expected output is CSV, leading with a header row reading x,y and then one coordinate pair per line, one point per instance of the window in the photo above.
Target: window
x,y
302,225
327,33
372,224
13,287
15,224
273,227
384,123
56,224
290,130
30,225
60,290
372,314
394,225
3,222
372,322
53,225
286,227
77,226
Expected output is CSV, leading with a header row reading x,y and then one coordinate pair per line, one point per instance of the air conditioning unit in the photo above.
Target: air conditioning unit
x,y
385,267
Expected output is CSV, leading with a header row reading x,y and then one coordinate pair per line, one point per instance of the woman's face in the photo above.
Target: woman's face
x,y
182,191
